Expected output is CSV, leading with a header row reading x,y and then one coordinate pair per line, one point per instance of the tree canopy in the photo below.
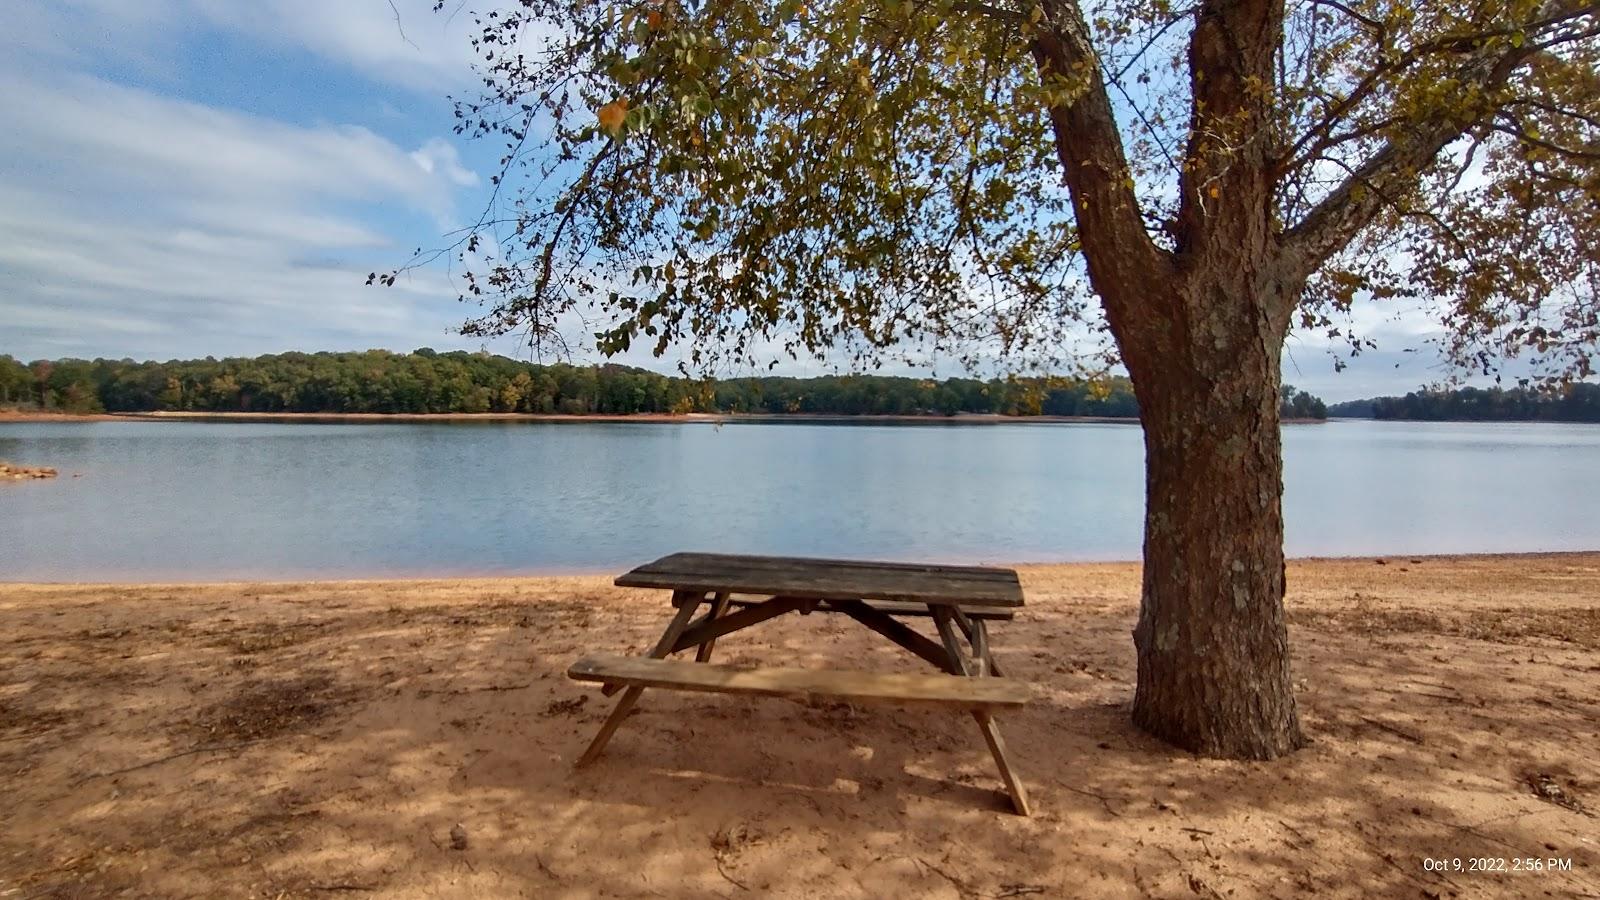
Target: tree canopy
x,y
749,179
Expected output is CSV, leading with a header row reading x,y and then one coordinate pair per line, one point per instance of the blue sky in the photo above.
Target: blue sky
x,y
183,178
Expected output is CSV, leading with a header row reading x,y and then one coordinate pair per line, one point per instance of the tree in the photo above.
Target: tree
x,y
14,380
981,178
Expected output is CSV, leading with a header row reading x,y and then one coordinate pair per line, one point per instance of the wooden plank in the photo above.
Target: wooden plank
x,y
898,688
903,608
978,637
977,631
702,564
829,579
959,662
997,748
898,632
744,618
691,561
719,606
833,586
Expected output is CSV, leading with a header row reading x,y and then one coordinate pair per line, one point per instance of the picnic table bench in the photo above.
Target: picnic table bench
x,y
741,591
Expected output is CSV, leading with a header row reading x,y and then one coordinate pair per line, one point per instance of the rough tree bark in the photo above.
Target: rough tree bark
x,y
1213,651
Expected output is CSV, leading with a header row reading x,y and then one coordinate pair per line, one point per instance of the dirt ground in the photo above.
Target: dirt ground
x,y
415,739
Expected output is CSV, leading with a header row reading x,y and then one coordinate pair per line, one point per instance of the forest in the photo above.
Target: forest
x,y
425,381
1577,402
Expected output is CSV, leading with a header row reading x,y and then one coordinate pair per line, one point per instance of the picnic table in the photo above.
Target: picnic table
x,y
738,592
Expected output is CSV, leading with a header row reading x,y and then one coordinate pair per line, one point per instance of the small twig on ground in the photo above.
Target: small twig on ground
x,y
539,861
210,748
1294,831
1449,697
1017,890
331,888
962,888
1104,800
477,690
1487,837
1195,884
1394,730
724,873
1197,830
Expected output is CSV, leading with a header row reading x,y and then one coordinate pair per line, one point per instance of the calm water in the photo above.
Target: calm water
x,y
206,501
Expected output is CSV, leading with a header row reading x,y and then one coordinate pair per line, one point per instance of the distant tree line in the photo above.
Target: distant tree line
x,y
1578,402
425,381
1298,404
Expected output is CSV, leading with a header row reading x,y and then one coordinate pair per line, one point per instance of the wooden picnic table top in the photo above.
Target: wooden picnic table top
x,y
829,579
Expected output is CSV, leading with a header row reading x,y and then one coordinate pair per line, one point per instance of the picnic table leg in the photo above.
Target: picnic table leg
x,y
977,632
685,602
997,747
719,605
944,618
663,647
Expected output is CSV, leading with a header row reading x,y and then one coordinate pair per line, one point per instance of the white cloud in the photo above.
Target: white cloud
x,y
404,43
137,224
439,156
122,137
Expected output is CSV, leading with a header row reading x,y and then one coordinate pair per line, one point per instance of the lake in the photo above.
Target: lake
x,y
204,501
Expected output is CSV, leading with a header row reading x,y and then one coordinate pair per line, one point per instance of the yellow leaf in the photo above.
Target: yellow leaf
x,y
1214,191
612,114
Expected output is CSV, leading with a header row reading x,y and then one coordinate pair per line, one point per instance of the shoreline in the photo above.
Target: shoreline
x,y
413,579
13,415
643,418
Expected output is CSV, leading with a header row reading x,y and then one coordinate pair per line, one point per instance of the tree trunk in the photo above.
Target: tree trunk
x,y
1212,643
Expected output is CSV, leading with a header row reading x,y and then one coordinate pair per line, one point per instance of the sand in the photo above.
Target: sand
x,y
414,739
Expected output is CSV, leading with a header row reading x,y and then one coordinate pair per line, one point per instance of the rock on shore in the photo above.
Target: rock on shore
x,y
13,472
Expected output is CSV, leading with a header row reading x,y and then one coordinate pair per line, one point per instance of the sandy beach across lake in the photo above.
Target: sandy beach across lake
x,y
415,739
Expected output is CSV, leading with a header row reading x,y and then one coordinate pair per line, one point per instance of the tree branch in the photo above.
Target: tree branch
x,y
1394,168
1521,134
1226,181
1121,257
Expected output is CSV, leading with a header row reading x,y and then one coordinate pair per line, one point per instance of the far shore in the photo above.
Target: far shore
x,y
415,739
663,418
19,415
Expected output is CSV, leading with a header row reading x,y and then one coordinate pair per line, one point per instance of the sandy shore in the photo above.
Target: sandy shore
x,y
325,739
17,415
